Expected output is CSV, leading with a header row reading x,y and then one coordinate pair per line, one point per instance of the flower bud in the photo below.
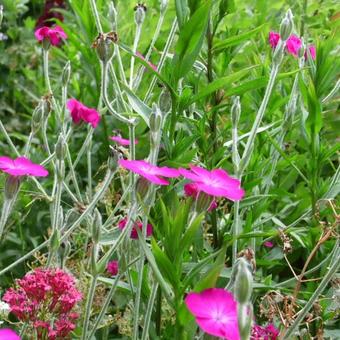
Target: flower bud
x,y
286,27
163,5
164,101
243,282
65,77
96,226
55,240
278,53
12,185
155,120
112,162
236,111
142,187
140,11
46,106
37,117
64,251
104,44
302,49
60,148
244,319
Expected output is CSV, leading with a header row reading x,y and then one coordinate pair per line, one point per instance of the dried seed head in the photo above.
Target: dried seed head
x,y
140,11
104,44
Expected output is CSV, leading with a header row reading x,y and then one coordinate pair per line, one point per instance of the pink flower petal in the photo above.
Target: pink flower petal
x,y
293,44
60,32
274,38
8,334
41,33
122,141
22,167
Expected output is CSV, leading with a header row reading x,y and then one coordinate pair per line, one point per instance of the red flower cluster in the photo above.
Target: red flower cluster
x,y
45,298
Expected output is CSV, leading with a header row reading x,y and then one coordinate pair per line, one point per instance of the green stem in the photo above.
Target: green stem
x,y
145,334
88,307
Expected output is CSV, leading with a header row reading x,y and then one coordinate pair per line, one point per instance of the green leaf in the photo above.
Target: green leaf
x,y
236,39
190,42
182,12
190,233
220,83
137,104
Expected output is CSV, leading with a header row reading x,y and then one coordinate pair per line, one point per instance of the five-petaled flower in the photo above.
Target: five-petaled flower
x,y
53,34
80,112
112,268
122,141
21,166
215,311
216,182
151,172
8,334
137,225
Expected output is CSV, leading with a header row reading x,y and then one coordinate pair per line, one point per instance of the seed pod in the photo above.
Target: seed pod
x,y
140,11
113,159
243,282
37,117
104,44
302,49
65,78
12,185
278,53
286,27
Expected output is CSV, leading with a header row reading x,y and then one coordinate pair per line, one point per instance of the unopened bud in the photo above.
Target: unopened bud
x,y
245,319
96,226
60,148
302,49
243,282
164,101
61,171
155,119
163,5
286,27
142,187
113,159
12,185
236,110
37,117
278,53
55,240
46,106
64,251
140,11
65,77
104,44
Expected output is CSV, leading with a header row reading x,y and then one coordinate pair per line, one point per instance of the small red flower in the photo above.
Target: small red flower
x,y
80,112
54,35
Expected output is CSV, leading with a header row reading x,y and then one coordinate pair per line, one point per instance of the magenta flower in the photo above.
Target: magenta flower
x,y
191,190
21,166
214,183
274,39
54,35
293,44
215,311
45,299
151,172
8,334
112,268
137,225
122,141
268,244
80,112
312,51
270,332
